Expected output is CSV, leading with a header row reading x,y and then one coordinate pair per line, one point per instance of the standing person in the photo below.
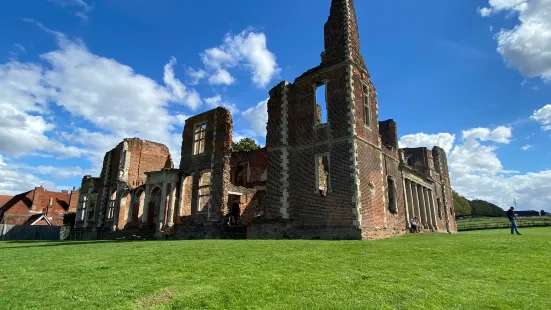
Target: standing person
x,y
513,220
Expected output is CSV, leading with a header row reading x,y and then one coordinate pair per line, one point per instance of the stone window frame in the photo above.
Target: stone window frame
x,y
316,165
203,139
439,206
122,161
111,204
315,88
92,209
366,102
393,208
199,187
83,208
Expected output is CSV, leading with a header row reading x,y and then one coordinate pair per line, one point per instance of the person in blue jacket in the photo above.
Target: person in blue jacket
x,y
513,220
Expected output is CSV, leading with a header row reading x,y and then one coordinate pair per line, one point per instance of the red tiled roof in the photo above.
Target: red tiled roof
x,y
4,199
60,201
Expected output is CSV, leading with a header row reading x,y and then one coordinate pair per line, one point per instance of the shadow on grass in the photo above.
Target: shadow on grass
x,y
46,243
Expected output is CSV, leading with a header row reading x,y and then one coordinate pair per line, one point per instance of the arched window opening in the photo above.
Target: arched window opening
x,y
391,192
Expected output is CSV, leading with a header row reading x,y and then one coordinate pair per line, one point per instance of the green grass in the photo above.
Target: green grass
x,y
501,222
471,270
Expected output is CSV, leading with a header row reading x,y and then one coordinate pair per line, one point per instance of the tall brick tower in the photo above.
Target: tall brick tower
x,y
325,174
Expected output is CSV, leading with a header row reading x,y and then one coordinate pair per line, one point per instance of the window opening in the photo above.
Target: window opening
x,y
391,195
83,208
111,209
204,191
322,171
367,106
199,139
439,207
321,104
92,206
240,175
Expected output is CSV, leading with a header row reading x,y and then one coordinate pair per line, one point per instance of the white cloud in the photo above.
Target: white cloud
x,y
110,96
443,140
20,47
56,172
14,180
477,172
527,46
526,147
180,93
484,12
196,75
221,77
113,97
83,8
217,101
501,5
180,119
257,117
248,49
543,116
501,134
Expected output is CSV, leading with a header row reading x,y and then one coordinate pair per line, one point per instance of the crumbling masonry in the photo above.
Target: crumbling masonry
x,y
341,176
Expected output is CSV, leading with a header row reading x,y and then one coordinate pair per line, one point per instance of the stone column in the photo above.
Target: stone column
x,y
146,206
422,206
433,210
117,207
427,208
180,204
162,209
406,208
415,197
409,197
171,204
130,210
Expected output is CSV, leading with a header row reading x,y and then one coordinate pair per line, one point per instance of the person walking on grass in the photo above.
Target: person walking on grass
x,y
513,220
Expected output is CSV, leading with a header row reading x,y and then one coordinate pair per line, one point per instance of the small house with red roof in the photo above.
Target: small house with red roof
x,y
38,207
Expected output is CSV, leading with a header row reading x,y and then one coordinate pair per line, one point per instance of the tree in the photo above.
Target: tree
x,y
542,212
245,145
484,208
461,205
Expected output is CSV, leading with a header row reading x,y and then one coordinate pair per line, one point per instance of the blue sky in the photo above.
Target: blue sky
x,y
77,76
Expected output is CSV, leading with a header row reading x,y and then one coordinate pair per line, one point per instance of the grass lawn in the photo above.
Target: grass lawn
x,y
471,270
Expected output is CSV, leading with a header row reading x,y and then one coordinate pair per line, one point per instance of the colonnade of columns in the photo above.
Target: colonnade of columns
x,y
420,202
166,207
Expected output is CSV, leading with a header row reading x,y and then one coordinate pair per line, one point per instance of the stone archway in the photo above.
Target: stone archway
x,y
136,213
153,206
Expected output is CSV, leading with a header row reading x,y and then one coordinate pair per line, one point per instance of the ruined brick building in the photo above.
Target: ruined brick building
x,y
329,170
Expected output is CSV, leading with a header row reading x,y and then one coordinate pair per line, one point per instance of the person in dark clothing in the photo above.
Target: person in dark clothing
x,y
513,220
234,213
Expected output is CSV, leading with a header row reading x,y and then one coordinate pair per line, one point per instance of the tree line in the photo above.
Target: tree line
x,y
478,207
475,207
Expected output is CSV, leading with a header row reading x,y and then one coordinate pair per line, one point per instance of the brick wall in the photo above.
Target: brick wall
x,y
216,159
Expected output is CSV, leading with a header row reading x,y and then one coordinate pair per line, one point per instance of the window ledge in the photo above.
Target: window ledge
x,y
322,125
